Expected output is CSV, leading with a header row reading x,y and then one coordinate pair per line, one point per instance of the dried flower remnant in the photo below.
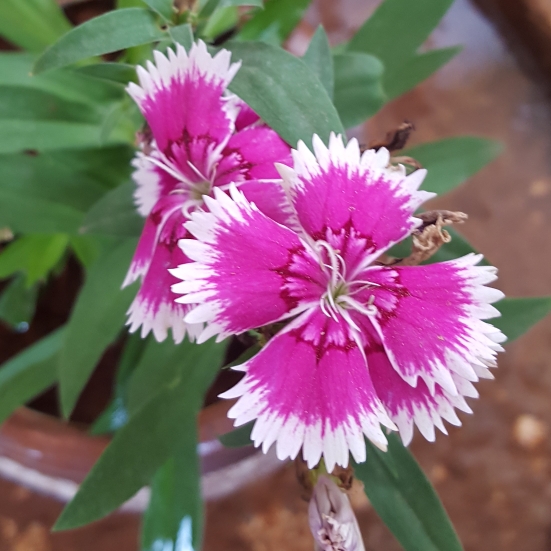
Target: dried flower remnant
x,y
332,520
199,137
366,345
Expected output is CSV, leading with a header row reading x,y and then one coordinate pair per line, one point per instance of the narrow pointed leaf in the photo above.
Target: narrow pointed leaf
x,y
159,429
284,92
415,69
519,314
452,161
405,500
29,373
110,32
24,103
162,363
18,304
97,318
32,24
182,34
34,255
318,57
239,437
122,73
358,88
275,22
137,450
21,135
165,8
398,28
114,214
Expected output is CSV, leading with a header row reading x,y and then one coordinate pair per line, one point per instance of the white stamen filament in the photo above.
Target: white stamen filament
x,y
338,299
168,169
198,189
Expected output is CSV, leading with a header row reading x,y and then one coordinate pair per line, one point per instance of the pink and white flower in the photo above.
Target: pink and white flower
x,y
202,137
367,344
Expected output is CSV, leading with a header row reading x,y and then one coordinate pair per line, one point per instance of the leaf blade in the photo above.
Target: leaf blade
x,y
110,32
518,315
451,161
284,92
29,373
358,90
97,318
405,500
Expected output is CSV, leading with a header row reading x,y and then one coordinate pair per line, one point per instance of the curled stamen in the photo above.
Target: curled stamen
x,y
189,206
369,310
366,285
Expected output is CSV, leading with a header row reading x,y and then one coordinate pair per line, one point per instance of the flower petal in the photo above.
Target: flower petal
x,y
154,308
249,270
336,188
164,208
409,405
250,155
152,182
246,116
429,319
271,199
182,100
309,387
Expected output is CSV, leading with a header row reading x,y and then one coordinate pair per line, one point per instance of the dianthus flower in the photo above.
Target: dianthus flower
x,y
202,137
367,344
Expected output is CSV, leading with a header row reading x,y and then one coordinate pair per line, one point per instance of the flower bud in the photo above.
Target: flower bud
x,y
332,521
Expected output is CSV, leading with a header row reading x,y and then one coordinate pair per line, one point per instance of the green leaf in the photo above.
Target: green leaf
x,y
318,57
358,90
18,304
284,92
163,363
182,34
239,437
24,103
175,512
70,84
519,314
116,414
35,255
405,499
159,429
451,161
415,70
137,450
21,135
96,320
165,8
114,214
275,23
50,192
221,21
29,373
88,248
32,24
115,72
110,32
397,29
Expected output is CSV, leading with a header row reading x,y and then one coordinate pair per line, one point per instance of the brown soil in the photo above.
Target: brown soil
x,y
494,473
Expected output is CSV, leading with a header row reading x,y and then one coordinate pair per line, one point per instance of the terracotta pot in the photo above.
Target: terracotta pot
x,y
49,456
